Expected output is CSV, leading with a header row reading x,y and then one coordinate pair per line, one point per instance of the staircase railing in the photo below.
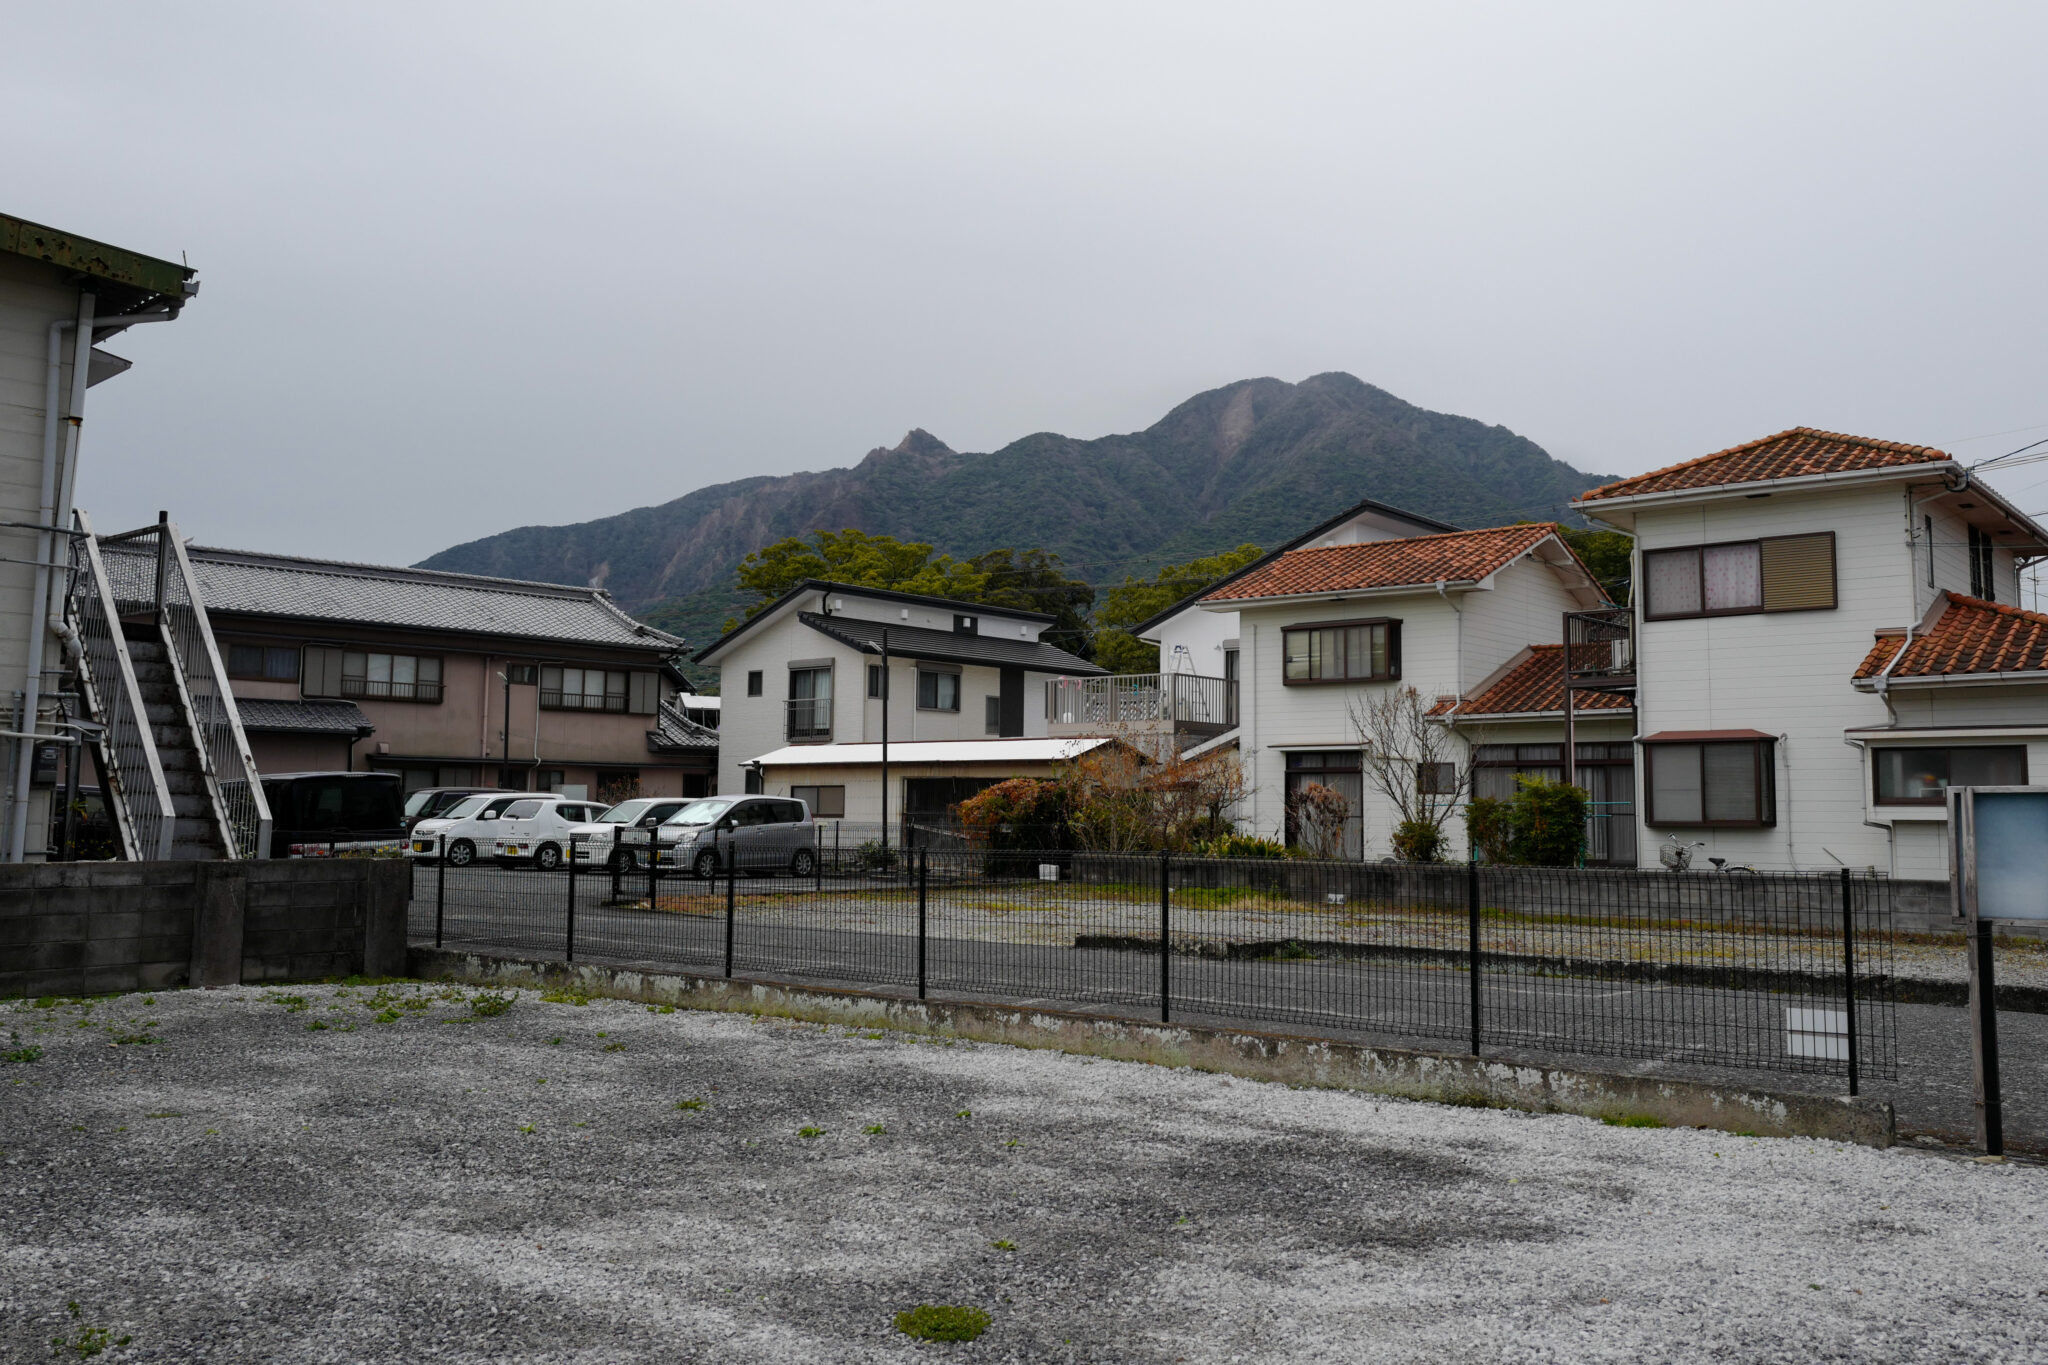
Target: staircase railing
x,y
234,789
137,794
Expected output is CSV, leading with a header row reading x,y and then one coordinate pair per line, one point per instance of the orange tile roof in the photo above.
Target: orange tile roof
x,y
1788,455
1532,687
1456,557
1970,636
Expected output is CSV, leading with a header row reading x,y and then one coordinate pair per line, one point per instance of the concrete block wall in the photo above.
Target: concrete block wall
x,y
95,928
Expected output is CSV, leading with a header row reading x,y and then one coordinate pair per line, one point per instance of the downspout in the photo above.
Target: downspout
x,y
1791,840
46,514
1883,682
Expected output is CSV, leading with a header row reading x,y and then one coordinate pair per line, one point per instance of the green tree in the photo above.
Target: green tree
x,y
859,560
1606,555
1035,580
1136,600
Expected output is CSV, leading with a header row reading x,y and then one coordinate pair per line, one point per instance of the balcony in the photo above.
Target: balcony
x,y
807,720
1187,705
1600,650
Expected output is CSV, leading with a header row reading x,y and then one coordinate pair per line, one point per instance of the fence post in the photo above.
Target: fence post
x,y
569,948
1849,975
923,881
732,876
653,862
618,863
1472,951
1165,936
440,888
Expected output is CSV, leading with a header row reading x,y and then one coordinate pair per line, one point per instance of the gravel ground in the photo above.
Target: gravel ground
x,y
250,1185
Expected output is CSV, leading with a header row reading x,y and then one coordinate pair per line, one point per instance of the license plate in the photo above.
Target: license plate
x,y
422,848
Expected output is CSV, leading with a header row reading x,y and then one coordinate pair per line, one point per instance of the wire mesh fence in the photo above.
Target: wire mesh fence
x,y
1784,972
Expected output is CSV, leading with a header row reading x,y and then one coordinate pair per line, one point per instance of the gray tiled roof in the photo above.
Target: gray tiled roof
x,y
236,582
302,717
673,731
947,647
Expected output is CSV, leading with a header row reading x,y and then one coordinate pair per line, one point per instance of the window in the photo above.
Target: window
x,y
521,810
1920,777
1721,782
938,691
810,704
583,689
380,677
752,782
965,625
273,663
875,680
992,715
548,779
512,779
1346,651
1777,573
523,673
1437,779
754,682
1982,568
826,802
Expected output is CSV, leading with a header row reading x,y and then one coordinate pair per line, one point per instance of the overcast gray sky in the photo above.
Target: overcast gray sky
x,y
468,267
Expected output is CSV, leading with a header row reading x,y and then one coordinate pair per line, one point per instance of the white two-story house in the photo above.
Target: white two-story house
x,y
803,682
1457,616
1827,634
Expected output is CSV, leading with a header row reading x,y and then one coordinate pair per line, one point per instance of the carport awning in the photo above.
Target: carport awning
x,y
931,751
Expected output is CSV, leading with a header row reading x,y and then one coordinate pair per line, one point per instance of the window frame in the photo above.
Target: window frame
x,y
1390,624
1878,798
937,673
265,651
754,682
1764,765
360,691
1762,583
817,806
623,697
1982,552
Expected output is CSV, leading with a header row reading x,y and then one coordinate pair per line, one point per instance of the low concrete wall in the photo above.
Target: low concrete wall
x,y
1444,1077
93,928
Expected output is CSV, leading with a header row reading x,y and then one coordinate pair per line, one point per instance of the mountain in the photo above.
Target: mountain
x,y
1259,460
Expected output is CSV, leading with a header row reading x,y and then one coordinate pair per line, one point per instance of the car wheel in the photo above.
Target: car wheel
x,y
620,860
706,866
461,853
547,857
803,864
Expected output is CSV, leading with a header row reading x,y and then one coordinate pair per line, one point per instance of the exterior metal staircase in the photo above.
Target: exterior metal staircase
x,y
180,781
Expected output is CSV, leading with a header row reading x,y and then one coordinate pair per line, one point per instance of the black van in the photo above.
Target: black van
x,y
317,815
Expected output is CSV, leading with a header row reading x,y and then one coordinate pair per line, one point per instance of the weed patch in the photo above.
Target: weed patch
x,y
563,995
690,1104
942,1322
1632,1121
809,1132
85,1340
488,1005
127,1039
22,1054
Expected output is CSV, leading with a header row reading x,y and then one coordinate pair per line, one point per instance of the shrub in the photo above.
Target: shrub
x,y
1023,812
942,1322
1240,846
1542,825
1489,827
875,856
1419,841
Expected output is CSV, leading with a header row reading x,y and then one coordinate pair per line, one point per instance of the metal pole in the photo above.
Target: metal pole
x,y
1472,955
922,878
732,874
569,949
618,862
1165,936
73,756
885,737
653,861
1849,976
163,564
440,888
1984,1041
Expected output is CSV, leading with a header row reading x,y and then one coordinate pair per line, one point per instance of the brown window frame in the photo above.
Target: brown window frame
x,y
262,674
1392,624
1834,578
817,807
1878,798
1764,761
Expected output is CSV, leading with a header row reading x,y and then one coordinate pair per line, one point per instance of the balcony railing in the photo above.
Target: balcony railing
x,y
807,720
1600,648
1187,703
554,700
380,689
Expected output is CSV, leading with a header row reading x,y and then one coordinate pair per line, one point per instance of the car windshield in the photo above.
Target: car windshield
x,y
466,807
699,812
417,802
625,813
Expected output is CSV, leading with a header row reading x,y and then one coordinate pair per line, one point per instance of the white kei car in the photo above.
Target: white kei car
x,y
468,829
596,842
536,830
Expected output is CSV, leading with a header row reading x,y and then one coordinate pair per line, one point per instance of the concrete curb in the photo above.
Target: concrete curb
x,y
1446,1078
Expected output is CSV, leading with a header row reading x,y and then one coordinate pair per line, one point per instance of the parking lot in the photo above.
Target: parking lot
x,y
373,1174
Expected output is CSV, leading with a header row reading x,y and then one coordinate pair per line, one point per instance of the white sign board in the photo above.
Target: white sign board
x,y
1048,872
1817,1033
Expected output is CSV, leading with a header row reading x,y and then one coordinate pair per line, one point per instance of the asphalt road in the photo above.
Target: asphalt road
x,y
1916,1055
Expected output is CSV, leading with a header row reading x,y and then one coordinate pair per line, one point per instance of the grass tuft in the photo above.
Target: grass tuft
x,y
22,1054
565,995
942,1322
809,1132
1632,1121
488,1004
690,1104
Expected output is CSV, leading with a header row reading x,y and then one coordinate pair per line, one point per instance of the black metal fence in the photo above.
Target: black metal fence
x,y
1751,971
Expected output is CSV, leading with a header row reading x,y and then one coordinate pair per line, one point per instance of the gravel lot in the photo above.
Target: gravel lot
x,y
448,1187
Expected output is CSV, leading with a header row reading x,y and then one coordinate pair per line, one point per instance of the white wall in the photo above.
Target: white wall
x,y
32,296
1784,673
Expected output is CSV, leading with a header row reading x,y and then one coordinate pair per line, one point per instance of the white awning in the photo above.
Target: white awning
x,y
930,751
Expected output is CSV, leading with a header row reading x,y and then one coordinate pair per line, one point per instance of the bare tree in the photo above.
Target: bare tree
x,y
1412,760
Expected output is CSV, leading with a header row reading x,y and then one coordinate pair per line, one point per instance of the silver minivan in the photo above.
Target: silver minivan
x,y
758,834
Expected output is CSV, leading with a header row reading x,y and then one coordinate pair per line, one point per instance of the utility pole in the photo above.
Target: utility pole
x,y
885,736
